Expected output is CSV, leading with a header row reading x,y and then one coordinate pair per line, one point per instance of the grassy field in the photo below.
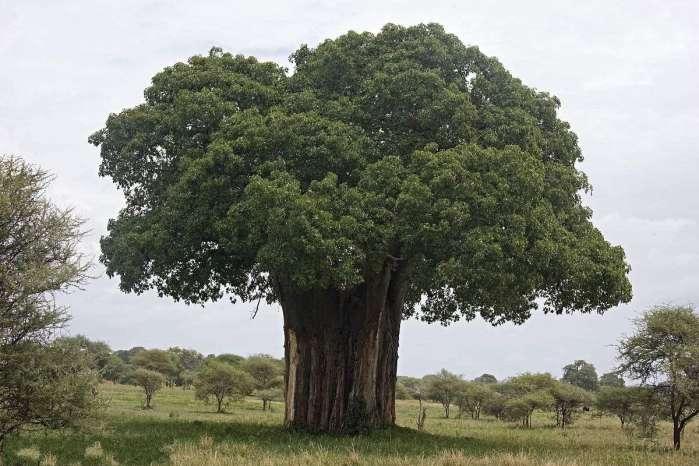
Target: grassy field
x,y
181,431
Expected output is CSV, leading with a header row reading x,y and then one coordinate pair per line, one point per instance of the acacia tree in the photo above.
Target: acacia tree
x,y
618,400
495,404
568,399
526,393
150,381
522,408
663,354
391,175
443,387
471,397
42,382
268,376
222,381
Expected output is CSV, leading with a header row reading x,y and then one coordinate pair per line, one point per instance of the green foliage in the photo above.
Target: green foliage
x,y
186,359
569,399
581,374
222,382
41,383
522,407
268,395
45,385
186,379
232,359
486,378
266,371
127,355
116,370
527,383
156,360
410,387
495,405
403,144
622,402
611,379
151,381
520,396
268,376
471,396
402,392
442,387
99,352
663,354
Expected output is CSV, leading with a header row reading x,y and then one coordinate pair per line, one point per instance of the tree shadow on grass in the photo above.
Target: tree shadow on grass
x,y
141,441
144,440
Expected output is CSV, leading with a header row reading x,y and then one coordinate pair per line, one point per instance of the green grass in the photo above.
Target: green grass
x,y
171,433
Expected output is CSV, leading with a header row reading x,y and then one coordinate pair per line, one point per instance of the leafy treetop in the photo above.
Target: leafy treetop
x,y
403,146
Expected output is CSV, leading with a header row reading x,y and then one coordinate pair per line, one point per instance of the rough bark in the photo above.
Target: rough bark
x,y
341,351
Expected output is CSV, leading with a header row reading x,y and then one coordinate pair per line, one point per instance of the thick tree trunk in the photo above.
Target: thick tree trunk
x,y
341,349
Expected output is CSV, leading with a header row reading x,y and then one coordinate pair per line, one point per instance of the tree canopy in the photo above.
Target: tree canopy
x,y
581,374
404,144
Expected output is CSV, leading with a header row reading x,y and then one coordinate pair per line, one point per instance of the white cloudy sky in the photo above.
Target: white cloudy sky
x,y
627,73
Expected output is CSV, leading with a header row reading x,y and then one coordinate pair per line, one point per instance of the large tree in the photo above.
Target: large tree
x,y
390,175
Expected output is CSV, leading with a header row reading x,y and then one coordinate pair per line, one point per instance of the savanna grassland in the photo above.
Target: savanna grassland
x,y
181,431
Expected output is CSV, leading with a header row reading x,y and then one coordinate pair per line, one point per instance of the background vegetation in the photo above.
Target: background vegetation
x,y
172,432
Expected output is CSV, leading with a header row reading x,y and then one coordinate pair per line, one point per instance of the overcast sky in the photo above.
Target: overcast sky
x,y
627,74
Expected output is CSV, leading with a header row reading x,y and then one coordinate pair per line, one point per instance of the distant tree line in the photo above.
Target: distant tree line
x,y
662,356
218,378
515,399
